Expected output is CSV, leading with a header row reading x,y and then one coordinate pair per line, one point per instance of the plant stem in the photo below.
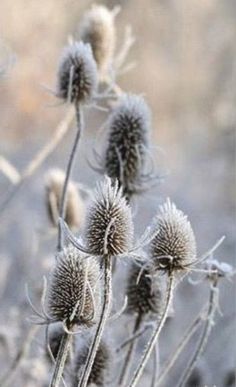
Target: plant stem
x,y
156,365
129,355
62,211
205,334
155,335
107,264
61,359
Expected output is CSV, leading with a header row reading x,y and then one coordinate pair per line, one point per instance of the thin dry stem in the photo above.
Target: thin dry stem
x,y
156,365
155,335
107,262
130,352
61,359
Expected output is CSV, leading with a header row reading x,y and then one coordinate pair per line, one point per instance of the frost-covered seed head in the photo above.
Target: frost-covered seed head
x,y
77,73
128,140
74,214
73,280
109,226
174,246
100,366
98,29
145,296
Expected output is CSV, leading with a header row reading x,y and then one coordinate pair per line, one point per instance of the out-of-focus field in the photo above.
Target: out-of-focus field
x,y
185,56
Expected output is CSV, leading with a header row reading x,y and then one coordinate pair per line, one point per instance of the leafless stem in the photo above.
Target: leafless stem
x,y
156,365
61,359
69,171
138,333
204,336
40,157
6,380
107,263
129,355
155,335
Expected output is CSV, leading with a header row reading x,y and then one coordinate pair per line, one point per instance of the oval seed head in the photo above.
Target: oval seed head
x,y
109,226
74,294
77,73
143,292
174,246
100,366
98,29
128,140
74,215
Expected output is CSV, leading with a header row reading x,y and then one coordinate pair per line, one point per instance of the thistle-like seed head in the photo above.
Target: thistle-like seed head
x,y
128,140
77,73
74,215
143,292
100,366
98,29
174,246
74,293
109,226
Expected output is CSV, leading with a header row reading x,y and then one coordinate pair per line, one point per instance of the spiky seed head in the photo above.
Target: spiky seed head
x,y
77,73
174,246
128,140
100,366
108,225
74,214
74,289
98,29
143,291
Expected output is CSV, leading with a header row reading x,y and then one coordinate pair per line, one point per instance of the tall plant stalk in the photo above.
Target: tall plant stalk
x,y
61,359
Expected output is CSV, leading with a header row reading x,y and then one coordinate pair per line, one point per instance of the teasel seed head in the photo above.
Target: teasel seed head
x,y
77,73
74,293
98,29
143,291
127,142
100,366
174,246
108,224
74,214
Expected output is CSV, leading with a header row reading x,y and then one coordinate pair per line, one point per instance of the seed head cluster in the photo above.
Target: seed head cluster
x,y
128,140
109,226
74,205
174,246
100,366
74,289
143,291
98,29
77,73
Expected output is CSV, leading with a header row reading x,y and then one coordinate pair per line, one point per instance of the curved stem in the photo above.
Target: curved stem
x,y
156,365
204,337
129,355
155,335
62,211
61,359
107,262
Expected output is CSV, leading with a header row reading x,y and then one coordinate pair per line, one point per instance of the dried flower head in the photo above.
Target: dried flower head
x,y
143,292
74,214
109,226
77,73
174,246
98,29
74,294
100,366
128,140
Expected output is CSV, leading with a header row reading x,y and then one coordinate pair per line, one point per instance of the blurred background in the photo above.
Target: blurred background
x,y
185,57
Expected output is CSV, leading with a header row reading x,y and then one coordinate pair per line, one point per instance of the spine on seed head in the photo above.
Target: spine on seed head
x,y
174,246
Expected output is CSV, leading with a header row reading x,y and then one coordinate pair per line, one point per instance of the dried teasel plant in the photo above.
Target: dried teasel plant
x,y
101,366
97,27
74,212
144,293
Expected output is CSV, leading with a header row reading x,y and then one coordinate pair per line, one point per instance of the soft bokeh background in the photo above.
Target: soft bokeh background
x,y
185,57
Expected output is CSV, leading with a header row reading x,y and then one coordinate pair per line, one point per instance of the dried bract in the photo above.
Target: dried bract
x,y
174,246
109,226
128,141
74,293
74,214
77,73
98,29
